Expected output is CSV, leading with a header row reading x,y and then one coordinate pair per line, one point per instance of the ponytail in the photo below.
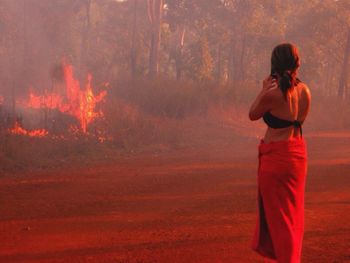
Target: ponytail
x,y
285,62
287,82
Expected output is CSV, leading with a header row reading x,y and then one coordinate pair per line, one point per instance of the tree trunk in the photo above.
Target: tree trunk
x,y
133,52
326,82
155,8
13,106
241,61
231,68
230,64
85,45
329,72
218,76
178,57
342,89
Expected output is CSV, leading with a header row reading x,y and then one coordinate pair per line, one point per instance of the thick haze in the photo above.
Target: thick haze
x,y
224,42
157,159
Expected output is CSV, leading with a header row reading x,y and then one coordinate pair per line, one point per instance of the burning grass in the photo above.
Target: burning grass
x,y
127,131
80,103
144,116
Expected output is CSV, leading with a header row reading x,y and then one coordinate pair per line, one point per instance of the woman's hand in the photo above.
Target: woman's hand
x,y
264,100
269,83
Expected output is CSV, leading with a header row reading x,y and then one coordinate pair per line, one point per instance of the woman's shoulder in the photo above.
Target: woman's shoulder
x,y
305,90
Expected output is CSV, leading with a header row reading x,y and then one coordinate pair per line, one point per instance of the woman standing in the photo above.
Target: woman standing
x,y
283,103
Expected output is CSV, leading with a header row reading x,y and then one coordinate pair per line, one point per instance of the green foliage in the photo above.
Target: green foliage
x,y
98,38
199,62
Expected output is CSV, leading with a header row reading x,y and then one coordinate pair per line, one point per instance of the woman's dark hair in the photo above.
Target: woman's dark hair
x,y
284,62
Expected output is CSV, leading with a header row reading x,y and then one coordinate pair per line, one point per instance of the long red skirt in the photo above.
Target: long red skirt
x,y
281,185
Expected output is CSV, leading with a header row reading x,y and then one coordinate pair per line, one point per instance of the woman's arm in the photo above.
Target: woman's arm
x,y
306,101
264,100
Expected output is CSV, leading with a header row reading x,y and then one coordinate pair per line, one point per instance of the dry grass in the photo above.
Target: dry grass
x,y
159,116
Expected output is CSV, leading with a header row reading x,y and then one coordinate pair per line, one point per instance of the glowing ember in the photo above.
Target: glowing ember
x,y
77,102
17,129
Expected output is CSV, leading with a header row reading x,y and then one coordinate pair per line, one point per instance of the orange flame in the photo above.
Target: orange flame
x,y
82,102
17,129
78,103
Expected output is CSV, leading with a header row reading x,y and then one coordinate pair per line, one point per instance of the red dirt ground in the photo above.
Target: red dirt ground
x,y
183,206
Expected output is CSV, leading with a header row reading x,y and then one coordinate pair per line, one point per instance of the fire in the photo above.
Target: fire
x,y
82,102
77,102
50,101
19,130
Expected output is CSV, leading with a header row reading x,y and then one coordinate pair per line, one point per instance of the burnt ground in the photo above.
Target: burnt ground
x,y
186,205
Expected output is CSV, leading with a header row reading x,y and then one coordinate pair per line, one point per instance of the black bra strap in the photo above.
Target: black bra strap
x,y
298,125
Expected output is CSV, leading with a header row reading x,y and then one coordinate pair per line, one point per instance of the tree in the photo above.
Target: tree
x,y
199,61
133,51
155,11
343,89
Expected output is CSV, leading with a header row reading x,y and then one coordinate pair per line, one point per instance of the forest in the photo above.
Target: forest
x,y
225,42
147,66
126,133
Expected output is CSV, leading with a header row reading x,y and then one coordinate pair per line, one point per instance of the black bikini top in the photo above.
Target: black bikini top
x,y
275,122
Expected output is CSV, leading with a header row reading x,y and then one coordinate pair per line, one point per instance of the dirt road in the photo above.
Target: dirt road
x,y
183,206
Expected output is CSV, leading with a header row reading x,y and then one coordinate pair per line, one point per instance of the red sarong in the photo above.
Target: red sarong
x,y
281,185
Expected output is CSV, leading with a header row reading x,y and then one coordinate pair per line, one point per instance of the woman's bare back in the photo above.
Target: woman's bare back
x,y
295,108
